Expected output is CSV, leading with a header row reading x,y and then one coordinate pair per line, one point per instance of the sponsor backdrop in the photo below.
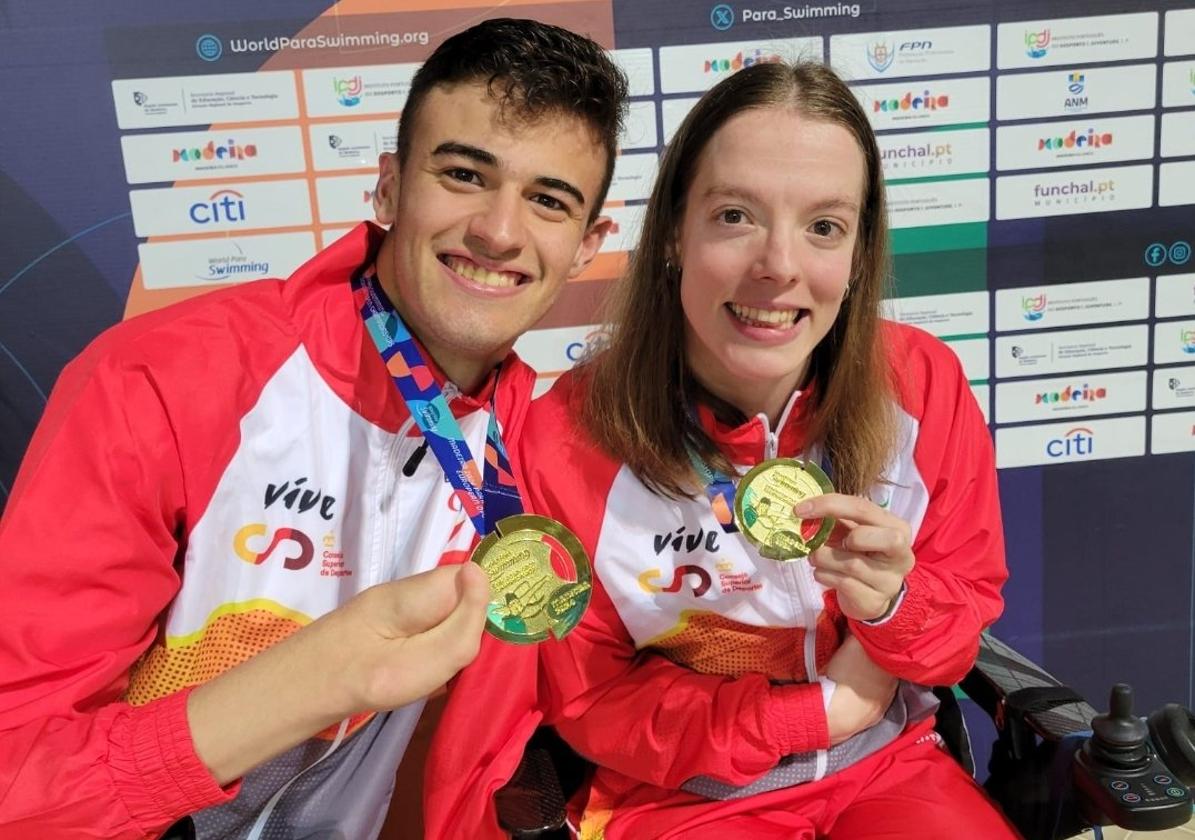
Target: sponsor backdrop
x,y
1040,158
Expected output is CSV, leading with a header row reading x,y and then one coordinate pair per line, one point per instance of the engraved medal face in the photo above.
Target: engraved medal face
x,y
529,600
763,507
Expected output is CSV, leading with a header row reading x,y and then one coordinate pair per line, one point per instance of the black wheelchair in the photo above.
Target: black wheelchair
x,y
1057,766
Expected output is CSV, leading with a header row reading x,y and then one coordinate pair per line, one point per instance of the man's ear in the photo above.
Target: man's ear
x,y
385,194
591,243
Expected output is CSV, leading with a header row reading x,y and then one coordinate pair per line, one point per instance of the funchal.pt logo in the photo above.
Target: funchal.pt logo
x,y
1037,44
1034,307
348,91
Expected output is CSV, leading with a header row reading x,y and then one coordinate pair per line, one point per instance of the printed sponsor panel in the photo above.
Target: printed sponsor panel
x,y
345,198
224,259
193,155
639,132
1174,295
975,356
366,89
1075,440
1071,351
633,176
938,203
1074,191
1074,396
953,314
1178,84
201,100
1174,387
628,222
693,68
1176,183
1084,141
673,113
926,154
1090,90
553,351
351,145
1172,432
926,104
1072,304
983,396
1174,342
1180,32
1178,134
640,69
912,52
1079,40
329,235
216,209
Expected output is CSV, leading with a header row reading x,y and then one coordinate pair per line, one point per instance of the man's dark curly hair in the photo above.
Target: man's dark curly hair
x,y
532,69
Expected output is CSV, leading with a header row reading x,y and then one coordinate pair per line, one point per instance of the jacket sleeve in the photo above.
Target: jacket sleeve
x,y
953,591
654,720
87,551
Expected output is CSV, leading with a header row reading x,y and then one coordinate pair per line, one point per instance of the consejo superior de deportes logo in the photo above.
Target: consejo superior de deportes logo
x,y
209,47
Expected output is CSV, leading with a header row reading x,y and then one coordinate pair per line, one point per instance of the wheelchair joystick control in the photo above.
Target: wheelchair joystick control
x,y
1118,738
1122,779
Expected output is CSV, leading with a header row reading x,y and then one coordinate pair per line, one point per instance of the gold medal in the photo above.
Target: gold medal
x,y
764,502
528,598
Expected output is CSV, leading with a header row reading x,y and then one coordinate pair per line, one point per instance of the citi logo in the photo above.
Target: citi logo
x,y
1076,140
1071,394
229,151
1077,441
1037,44
924,101
739,62
1034,307
348,91
221,206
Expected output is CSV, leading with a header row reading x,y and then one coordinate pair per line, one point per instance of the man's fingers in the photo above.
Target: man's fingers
x,y
458,637
422,601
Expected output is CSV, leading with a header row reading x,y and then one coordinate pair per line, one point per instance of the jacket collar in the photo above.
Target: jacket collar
x,y
755,440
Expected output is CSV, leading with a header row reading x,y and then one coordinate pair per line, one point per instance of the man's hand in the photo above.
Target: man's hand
x,y
867,556
405,639
863,694
388,646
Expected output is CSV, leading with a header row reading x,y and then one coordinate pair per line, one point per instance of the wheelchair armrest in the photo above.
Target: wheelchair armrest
x,y
531,806
1022,698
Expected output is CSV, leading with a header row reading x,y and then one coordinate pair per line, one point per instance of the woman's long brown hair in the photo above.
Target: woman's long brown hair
x,y
639,402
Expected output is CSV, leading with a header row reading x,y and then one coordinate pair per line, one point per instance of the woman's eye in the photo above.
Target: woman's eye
x,y
732,216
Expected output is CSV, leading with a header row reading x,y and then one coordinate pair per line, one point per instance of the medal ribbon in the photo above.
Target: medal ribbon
x,y
486,499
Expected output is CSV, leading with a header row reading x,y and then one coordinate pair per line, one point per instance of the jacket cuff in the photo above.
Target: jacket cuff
x,y
797,719
906,621
154,767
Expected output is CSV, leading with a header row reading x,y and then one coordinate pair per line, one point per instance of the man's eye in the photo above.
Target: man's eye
x,y
549,202
467,176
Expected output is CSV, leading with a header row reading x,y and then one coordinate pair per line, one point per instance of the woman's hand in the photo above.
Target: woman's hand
x,y
867,556
863,693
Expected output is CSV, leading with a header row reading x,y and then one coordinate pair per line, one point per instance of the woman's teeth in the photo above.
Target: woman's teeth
x,y
474,272
765,317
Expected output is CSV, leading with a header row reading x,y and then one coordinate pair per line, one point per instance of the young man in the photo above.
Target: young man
x,y
202,560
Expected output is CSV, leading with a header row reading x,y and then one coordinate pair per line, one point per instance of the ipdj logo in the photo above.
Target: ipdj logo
x,y
1034,307
1187,340
722,17
1037,44
209,47
1078,441
348,91
221,206
1191,79
880,56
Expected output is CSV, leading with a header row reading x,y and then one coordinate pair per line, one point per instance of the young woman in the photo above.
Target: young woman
x,y
721,693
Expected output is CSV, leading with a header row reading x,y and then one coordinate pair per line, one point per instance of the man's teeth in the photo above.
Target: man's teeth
x,y
765,317
481,275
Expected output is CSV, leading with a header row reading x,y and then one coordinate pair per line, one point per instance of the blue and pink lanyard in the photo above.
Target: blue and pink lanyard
x,y
486,499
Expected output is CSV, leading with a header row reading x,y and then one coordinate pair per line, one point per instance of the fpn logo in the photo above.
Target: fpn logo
x,y
209,47
880,56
